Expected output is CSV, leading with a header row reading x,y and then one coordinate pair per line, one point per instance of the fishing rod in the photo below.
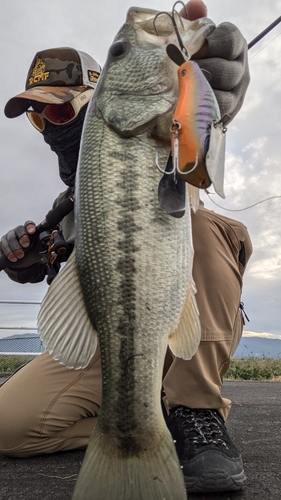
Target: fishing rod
x,y
250,45
264,32
52,219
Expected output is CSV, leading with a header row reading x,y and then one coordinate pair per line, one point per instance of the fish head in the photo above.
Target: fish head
x,y
138,87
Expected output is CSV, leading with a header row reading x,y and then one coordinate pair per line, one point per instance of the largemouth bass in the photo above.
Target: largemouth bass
x,y
131,275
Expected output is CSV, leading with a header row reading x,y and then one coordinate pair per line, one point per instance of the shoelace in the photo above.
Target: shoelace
x,y
202,427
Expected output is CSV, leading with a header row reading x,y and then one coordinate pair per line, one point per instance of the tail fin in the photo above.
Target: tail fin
x,y
152,475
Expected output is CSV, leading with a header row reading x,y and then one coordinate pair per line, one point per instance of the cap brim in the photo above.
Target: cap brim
x,y
46,94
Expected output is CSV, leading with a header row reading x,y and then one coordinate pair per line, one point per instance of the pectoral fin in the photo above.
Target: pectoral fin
x,y
194,198
63,322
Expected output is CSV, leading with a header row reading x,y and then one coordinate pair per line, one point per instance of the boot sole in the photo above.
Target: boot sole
x,y
215,480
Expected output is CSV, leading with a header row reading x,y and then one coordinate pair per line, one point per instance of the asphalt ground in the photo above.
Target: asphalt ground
x,y
254,425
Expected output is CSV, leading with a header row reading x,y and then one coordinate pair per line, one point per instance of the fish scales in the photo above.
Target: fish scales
x,y
131,256
134,252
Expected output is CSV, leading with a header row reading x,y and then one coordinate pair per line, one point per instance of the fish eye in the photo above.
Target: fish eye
x,y
118,48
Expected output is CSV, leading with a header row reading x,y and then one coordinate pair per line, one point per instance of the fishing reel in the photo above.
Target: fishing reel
x,y
53,241
52,244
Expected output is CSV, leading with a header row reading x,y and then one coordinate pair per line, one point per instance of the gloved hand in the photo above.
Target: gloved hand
x,y
17,242
225,56
226,59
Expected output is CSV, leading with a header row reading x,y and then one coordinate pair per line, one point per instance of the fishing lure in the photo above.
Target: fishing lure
x,y
195,112
197,132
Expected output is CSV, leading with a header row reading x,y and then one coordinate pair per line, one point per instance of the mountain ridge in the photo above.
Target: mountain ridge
x,y
259,347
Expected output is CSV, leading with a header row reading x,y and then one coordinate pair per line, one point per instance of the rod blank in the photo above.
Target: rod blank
x,y
264,32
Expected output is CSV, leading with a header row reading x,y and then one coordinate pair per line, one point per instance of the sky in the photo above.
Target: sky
x,y
29,173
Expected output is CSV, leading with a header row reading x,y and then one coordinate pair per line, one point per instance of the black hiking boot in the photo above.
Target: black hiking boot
x,y
209,459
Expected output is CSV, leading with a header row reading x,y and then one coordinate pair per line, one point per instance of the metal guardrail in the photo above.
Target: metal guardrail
x,y
24,302
20,302
13,344
20,353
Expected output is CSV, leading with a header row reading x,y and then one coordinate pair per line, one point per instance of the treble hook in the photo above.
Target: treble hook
x,y
175,128
184,6
173,171
172,17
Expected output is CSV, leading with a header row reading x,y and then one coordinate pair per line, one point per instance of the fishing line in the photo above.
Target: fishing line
x,y
250,45
264,47
264,32
239,209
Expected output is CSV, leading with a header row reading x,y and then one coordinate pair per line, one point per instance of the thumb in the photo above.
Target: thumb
x,y
195,9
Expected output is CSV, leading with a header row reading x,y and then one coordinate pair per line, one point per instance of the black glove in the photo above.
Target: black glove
x,y
10,243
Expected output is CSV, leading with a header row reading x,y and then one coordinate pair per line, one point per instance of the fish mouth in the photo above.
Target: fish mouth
x,y
154,22
165,27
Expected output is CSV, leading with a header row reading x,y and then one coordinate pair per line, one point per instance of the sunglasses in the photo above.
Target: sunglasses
x,y
59,114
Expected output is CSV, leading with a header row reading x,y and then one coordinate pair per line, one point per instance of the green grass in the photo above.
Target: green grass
x,y
251,368
11,363
247,368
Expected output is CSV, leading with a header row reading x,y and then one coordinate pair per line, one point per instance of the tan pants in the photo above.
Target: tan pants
x,y
46,407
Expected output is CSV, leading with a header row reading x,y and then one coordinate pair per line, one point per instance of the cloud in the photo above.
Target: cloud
x,y
29,174
260,334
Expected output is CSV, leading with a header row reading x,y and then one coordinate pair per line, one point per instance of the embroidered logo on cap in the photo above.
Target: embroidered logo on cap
x,y
93,76
38,73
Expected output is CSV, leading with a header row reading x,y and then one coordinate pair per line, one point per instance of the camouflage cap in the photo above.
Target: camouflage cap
x,y
55,76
